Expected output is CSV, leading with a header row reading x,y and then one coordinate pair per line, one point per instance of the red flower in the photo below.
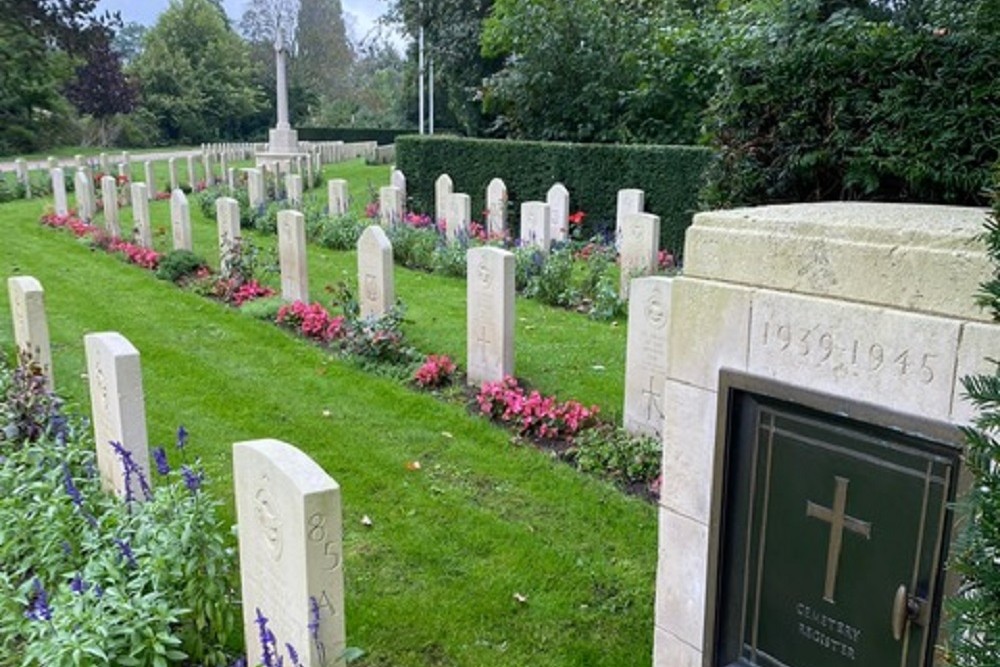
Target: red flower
x,y
577,218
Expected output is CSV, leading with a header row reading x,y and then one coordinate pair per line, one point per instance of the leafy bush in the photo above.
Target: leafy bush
x,y
553,284
974,638
670,175
414,247
338,232
846,106
613,452
177,265
87,578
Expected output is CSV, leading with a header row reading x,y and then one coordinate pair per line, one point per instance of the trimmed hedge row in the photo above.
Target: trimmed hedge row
x,y
350,135
593,173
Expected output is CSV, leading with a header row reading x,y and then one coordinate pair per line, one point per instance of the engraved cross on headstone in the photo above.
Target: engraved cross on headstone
x,y
483,339
652,400
839,520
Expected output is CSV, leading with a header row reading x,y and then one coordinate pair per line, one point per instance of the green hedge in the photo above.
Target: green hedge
x,y
593,173
350,135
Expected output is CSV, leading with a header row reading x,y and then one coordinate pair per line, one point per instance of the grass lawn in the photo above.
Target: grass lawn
x,y
432,581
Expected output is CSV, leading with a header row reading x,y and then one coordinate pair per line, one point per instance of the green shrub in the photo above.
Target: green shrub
x,y
614,453
337,233
414,248
670,175
179,264
852,108
553,285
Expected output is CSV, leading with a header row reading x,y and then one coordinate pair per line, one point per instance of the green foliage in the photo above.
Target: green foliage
x,y
413,248
552,285
614,453
816,105
338,232
195,74
350,134
177,265
670,175
124,582
974,637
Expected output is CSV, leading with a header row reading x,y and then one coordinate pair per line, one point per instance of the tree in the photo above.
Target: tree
x,y
39,43
324,57
101,89
195,75
128,41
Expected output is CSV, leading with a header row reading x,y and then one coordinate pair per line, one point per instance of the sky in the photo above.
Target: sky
x,y
359,15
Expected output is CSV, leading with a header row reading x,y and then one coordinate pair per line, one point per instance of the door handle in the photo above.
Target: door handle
x,y
906,609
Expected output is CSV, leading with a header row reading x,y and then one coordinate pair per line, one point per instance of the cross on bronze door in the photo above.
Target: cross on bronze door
x,y
839,520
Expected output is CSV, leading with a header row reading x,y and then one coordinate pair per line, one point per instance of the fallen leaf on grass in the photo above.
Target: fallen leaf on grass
x,y
523,599
327,413
413,465
447,435
598,367
366,521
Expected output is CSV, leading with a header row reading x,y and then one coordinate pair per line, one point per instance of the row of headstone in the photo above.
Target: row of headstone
x,y
288,508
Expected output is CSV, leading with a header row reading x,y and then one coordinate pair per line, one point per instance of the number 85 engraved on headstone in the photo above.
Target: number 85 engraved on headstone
x,y
317,533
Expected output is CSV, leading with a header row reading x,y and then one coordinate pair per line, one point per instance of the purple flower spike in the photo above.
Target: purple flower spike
x,y
160,456
77,584
192,479
39,609
126,552
182,437
293,655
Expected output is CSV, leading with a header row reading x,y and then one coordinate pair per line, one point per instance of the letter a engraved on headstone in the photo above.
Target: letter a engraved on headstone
x,y
839,520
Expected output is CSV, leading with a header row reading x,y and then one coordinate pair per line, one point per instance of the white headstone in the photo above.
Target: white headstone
x,y
126,193
337,196
147,168
172,169
292,256
558,201
84,188
118,408
535,225
231,178
490,314
398,180
646,355
80,161
227,215
291,552
376,293
640,247
256,190
458,216
391,201
109,195
59,190
105,164
191,175
496,208
206,161
23,176
293,186
142,223
629,201
180,220
31,329
53,162
443,189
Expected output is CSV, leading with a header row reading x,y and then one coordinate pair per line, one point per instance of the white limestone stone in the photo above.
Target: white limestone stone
x,y
900,360
912,256
680,578
180,220
978,351
23,176
535,225
292,256
59,190
231,178
398,180
558,200
629,201
53,162
443,190
191,175
489,314
142,222
391,204
118,408
31,329
458,216
338,199
125,197
172,170
151,188
256,188
689,449
293,186
496,208
206,163
109,197
291,551
105,163
709,330
227,216
376,292
669,650
84,188
640,248
646,355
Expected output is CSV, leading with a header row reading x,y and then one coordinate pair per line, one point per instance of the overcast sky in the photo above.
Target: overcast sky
x,y
359,15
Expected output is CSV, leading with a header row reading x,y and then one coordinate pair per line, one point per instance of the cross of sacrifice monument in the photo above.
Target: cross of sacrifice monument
x,y
283,141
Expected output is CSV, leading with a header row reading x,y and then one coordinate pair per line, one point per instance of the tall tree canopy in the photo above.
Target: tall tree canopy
x,y
195,74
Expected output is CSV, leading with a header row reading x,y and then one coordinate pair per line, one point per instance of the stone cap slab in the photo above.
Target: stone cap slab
x,y
919,257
